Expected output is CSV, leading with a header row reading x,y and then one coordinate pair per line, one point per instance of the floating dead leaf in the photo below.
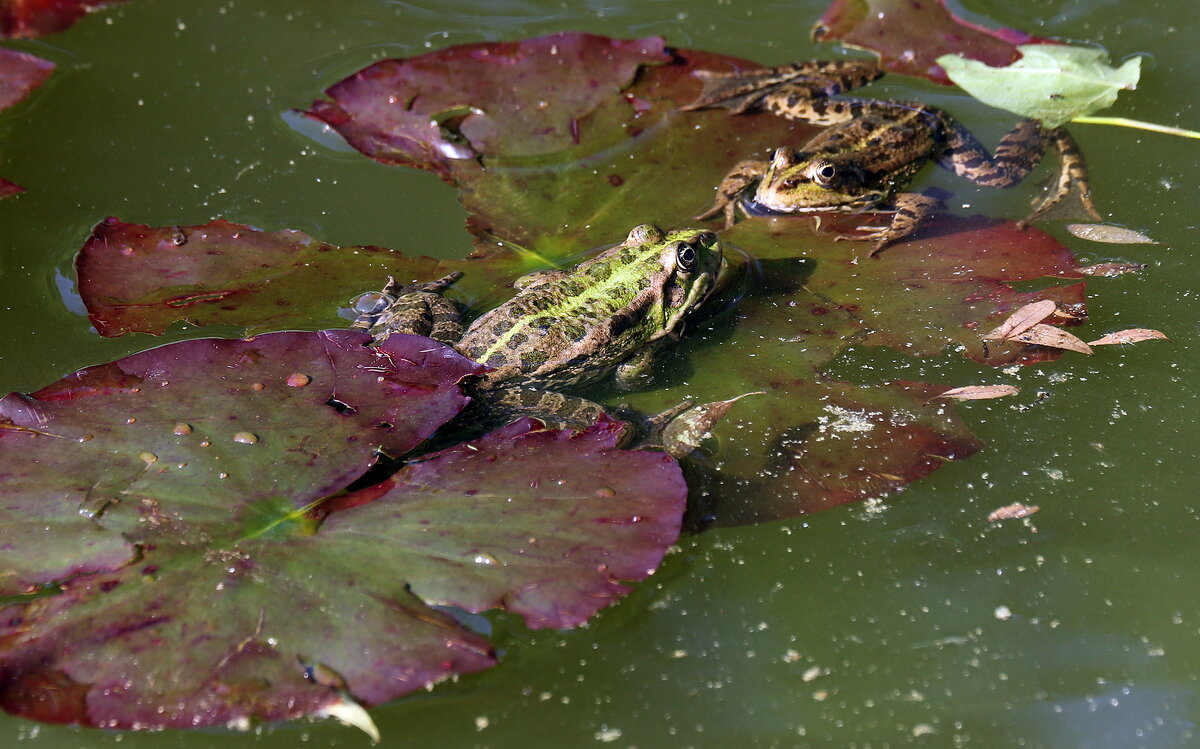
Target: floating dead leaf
x,y
1110,270
1110,233
686,431
1008,512
979,392
1022,320
1132,335
1048,335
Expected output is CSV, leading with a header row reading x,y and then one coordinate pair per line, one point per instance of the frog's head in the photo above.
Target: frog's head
x,y
686,265
801,182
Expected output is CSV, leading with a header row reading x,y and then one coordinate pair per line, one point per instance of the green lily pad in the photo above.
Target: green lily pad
x,y
1050,82
178,555
909,37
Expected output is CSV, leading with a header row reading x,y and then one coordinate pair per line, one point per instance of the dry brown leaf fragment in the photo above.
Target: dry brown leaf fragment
x,y
1022,320
1048,335
1132,335
1008,512
1110,233
1110,270
979,392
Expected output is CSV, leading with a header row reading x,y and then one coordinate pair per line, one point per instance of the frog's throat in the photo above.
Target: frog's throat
x,y
699,290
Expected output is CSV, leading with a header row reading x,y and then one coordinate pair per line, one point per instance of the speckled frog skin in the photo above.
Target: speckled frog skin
x,y
565,328
871,150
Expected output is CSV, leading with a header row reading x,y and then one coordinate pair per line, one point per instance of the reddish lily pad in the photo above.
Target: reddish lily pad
x,y
232,589
9,188
909,35
519,99
27,19
20,73
141,279
170,435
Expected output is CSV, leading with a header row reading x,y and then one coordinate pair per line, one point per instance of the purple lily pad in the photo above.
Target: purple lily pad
x,y
516,99
9,188
232,587
168,437
909,35
28,19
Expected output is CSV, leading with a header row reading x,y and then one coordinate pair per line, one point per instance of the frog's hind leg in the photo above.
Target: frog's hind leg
x,y
1018,152
555,410
744,90
743,175
1072,175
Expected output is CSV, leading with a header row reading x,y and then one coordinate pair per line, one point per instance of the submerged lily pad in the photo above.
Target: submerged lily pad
x,y
910,36
27,19
170,514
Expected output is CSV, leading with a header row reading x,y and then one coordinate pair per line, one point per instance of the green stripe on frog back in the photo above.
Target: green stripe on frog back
x,y
599,289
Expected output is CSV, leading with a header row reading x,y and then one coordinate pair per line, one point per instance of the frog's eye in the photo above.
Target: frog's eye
x,y
823,173
685,256
371,303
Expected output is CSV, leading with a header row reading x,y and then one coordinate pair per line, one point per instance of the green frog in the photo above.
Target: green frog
x,y
606,316
871,150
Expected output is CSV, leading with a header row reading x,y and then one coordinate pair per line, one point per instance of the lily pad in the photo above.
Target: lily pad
x,y
141,279
174,516
909,37
28,19
431,111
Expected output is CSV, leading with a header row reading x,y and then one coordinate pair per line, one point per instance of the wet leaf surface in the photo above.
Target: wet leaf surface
x,y
520,99
248,597
161,438
910,36
27,19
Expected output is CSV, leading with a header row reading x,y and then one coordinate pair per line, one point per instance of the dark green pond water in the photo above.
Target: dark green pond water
x,y
902,622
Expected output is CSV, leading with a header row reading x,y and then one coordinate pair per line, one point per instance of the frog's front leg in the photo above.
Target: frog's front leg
x,y
910,209
637,369
415,309
743,175
1072,175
